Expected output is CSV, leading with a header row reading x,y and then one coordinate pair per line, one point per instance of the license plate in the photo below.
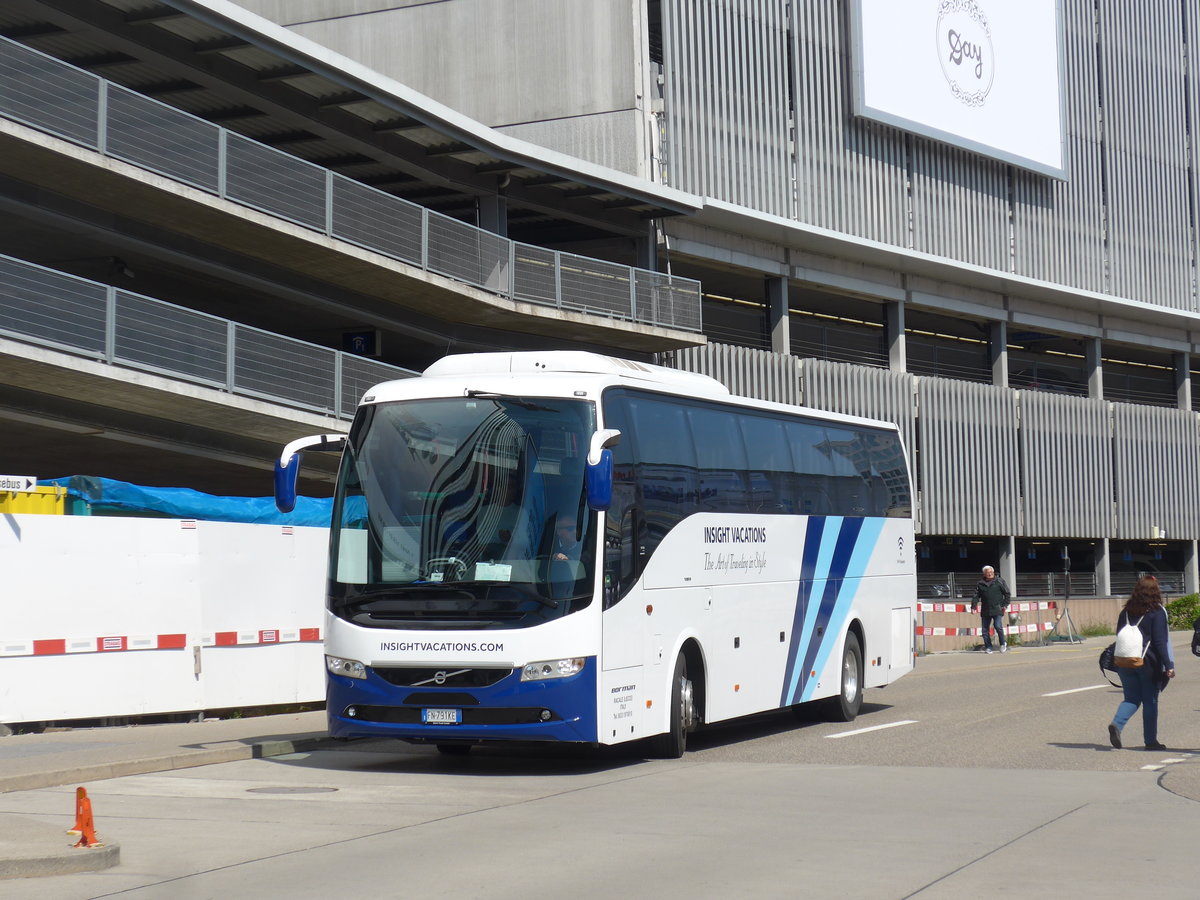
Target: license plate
x,y
441,716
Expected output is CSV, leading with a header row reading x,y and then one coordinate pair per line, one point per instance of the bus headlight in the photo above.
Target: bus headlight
x,y
350,668
552,668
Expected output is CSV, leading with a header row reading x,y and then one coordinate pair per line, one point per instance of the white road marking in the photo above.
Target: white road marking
x,y
1094,687
1152,768
872,728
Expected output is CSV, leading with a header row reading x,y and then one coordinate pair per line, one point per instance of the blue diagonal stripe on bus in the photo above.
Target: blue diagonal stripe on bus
x,y
860,548
820,547
808,566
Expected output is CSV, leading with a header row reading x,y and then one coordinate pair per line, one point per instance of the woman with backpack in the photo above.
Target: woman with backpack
x,y
1142,682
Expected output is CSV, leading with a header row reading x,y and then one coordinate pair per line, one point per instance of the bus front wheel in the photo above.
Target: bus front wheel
x,y
845,706
683,716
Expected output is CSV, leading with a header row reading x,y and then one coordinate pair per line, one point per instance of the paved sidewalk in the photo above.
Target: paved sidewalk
x,y
78,756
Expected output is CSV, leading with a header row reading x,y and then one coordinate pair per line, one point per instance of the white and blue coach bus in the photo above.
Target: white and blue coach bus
x,y
564,546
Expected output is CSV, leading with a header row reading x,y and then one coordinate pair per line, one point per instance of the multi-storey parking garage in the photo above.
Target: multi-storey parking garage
x,y
219,227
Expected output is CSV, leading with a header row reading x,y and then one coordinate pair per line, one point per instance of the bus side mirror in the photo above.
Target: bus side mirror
x,y
600,468
599,482
288,465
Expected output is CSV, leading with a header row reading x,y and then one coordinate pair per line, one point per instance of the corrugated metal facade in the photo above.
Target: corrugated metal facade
x,y
993,460
729,110
757,373
1066,465
1121,223
1156,472
967,458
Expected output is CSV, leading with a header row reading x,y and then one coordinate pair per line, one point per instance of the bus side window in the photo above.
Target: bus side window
x,y
814,467
666,468
720,460
772,482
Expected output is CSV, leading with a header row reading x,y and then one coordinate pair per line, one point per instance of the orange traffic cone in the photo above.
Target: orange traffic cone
x,y
83,821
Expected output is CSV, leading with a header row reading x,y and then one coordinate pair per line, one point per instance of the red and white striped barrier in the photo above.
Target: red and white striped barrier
x,y
931,631
124,643
1030,606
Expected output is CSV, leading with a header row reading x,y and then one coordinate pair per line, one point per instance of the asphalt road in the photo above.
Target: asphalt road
x,y
971,781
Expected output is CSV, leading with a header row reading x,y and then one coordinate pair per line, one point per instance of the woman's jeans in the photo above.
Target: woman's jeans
x,y
1141,689
997,622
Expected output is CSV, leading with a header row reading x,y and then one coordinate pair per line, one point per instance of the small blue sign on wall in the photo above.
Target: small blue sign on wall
x,y
362,343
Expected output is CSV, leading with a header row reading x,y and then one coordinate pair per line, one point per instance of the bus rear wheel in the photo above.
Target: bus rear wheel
x,y
683,716
845,706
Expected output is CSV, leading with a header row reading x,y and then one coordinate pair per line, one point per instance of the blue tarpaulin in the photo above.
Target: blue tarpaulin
x,y
107,495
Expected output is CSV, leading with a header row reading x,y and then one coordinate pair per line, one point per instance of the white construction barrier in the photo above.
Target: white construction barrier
x,y
104,617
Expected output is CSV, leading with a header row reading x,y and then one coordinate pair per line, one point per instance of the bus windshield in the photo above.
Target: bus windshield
x,y
466,512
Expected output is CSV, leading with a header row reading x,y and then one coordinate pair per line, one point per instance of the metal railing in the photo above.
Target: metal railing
x,y
98,321
57,98
1171,584
960,586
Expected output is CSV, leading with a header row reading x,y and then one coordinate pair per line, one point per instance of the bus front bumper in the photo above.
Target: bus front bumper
x,y
559,709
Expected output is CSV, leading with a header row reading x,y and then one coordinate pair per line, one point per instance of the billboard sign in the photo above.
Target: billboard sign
x,y
984,75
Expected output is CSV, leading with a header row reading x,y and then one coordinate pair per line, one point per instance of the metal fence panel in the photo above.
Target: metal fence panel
x,y
51,308
378,221
535,274
360,375
46,94
274,182
270,365
156,335
1155,475
594,286
1064,500
468,253
663,300
163,139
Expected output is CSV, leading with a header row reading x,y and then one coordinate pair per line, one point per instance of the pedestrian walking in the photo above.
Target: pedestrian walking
x,y
991,599
1142,684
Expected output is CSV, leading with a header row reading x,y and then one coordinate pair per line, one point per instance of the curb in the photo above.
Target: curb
x,y
181,760
67,861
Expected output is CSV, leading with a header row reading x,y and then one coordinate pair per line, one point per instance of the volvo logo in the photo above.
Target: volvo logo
x,y
439,678
964,48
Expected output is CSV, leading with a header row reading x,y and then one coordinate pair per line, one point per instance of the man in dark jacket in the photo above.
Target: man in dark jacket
x,y
991,599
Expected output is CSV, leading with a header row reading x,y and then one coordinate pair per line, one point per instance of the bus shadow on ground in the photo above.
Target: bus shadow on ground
x,y
775,722
489,759
497,759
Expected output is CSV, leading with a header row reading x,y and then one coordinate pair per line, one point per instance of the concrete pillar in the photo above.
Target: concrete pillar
x,y
1191,568
1095,369
1007,564
777,315
1183,380
998,353
647,249
493,214
897,355
1103,569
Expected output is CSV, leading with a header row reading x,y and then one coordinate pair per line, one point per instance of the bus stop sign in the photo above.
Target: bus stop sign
x,y
18,484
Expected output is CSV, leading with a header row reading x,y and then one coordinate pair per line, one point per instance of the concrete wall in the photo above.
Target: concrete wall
x,y
113,617
568,72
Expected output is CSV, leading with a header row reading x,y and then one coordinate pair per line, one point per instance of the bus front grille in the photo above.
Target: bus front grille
x,y
426,676
481,715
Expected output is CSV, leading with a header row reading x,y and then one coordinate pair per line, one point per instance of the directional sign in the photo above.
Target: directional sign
x,y
18,484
